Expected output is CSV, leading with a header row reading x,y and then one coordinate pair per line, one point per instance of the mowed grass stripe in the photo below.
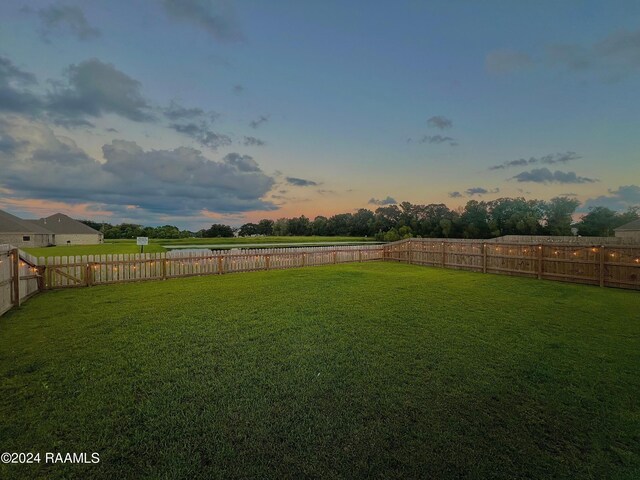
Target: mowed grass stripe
x,y
378,370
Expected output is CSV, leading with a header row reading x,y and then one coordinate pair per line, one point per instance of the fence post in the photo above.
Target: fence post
x,y
303,259
484,258
540,252
88,274
164,268
360,255
220,265
335,257
443,255
41,277
602,259
409,251
15,258
267,261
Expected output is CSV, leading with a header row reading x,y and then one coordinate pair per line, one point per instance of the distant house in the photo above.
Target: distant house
x,y
21,233
629,230
69,231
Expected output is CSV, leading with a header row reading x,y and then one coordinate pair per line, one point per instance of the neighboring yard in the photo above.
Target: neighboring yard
x,y
375,370
250,240
102,249
114,246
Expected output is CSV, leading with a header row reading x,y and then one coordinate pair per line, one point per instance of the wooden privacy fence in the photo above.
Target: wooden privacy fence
x,y
87,270
18,278
608,266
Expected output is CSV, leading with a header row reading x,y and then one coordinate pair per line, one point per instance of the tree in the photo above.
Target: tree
x,y
391,236
598,222
340,224
633,213
362,223
265,227
386,218
559,215
515,216
299,226
94,225
475,220
218,230
281,227
319,226
601,221
248,229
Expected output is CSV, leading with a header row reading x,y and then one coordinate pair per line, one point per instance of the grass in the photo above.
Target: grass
x,y
117,246
372,370
249,240
102,249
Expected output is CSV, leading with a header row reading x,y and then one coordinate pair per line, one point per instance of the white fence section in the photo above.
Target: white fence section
x,y
19,277
86,270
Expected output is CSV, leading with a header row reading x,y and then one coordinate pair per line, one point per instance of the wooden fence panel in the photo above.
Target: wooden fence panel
x,y
66,272
611,265
6,278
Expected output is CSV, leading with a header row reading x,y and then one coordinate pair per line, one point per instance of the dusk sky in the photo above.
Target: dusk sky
x,y
191,112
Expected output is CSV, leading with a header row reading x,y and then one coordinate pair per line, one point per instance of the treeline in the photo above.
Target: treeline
x,y
477,219
132,230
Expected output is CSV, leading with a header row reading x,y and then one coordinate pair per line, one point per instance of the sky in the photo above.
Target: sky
x,y
192,112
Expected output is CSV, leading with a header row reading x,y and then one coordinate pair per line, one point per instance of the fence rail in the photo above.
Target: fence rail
x,y
22,275
607,266
87,270
18,278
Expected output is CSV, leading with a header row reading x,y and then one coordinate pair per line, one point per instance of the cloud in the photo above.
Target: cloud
x,y
175,111
385,201
253,142
438,139
181,181
621,199
455,195
259,121
202,133
440,122
216,17
55,18
550,159
244,163
13,95
544,175
95,88
479,191
301,182
614,57
506,61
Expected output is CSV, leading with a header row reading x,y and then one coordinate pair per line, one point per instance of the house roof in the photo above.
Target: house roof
x,y
635,225
12,224
60,223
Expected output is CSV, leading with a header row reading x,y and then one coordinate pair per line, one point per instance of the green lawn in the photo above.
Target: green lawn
x,y
112,246
375,370
102,249
250,240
